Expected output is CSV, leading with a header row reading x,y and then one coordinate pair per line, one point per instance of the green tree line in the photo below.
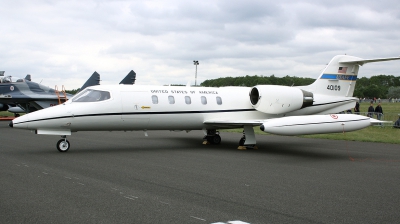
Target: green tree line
x,y
74,91
380,86
257,80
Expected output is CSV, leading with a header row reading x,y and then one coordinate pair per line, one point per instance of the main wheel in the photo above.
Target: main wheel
x,y
242,140
215,139
63,145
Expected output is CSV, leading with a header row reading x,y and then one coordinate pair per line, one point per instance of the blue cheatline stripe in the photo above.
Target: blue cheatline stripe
x,y
339,77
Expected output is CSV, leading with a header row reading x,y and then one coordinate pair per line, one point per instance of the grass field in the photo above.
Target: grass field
x,y
6,114
386,134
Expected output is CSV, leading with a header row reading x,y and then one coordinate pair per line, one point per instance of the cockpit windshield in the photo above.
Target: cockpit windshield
x,y
10,79
91,95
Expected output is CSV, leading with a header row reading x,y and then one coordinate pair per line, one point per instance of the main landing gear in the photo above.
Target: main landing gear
x,y
212,137
248,140
63,144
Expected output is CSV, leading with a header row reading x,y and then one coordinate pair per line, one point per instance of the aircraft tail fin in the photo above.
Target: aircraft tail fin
x,y
28,77
92,81
129,79
340,75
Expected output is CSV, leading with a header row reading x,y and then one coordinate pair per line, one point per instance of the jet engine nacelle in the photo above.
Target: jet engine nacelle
x,y
272,99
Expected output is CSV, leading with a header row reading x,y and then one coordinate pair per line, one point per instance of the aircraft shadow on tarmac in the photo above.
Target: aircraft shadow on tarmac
x,y
267,146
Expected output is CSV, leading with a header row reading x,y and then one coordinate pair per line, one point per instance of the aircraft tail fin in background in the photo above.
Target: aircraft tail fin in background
x,y
340,75
129,79
92,81
28,77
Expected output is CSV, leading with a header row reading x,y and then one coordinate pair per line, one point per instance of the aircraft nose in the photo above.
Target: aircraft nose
x,y
11,124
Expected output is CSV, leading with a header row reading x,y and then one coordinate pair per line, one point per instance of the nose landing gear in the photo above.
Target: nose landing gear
x,y
63,144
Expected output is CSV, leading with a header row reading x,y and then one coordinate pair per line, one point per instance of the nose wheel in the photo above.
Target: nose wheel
x,y
63,145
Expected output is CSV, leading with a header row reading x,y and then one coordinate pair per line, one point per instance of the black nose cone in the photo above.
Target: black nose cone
x,y
11,124
262,127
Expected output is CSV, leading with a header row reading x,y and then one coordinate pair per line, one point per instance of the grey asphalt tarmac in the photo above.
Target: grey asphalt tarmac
x,y
170,177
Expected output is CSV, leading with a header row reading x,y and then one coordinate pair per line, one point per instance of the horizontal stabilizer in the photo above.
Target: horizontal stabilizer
x,y
364,61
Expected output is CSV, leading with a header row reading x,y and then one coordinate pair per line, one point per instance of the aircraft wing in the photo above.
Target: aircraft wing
x,y
234,123
299,125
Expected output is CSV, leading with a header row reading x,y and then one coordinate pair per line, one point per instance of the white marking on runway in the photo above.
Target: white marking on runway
x,y
130,197
198,218
231,222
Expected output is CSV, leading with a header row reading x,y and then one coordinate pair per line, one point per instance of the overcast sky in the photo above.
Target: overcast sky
x,y
64,42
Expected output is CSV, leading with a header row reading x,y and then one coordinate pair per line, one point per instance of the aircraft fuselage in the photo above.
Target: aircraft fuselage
x,y
156,108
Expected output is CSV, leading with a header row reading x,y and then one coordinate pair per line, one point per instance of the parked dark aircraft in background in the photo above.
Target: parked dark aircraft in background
x,y
31,96
23,96
129,79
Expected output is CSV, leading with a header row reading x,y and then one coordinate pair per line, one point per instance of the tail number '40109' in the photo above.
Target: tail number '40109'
x,y
334,87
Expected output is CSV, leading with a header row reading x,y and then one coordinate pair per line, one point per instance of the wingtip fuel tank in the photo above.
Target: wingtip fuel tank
x,y
316,124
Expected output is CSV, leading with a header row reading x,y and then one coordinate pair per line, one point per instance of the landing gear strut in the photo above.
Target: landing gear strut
x,y
250,141
212,137
63,144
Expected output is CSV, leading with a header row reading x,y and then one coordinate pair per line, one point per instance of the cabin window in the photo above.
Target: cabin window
x,y
204,100
154,98
188,100
91,95
219,100
171,99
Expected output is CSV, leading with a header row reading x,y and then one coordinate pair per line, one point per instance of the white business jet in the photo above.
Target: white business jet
x,y
276,109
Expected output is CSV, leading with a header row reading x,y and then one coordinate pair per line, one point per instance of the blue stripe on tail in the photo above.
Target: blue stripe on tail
x,y
339,77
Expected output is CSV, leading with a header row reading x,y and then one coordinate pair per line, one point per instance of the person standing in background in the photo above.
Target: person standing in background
x,y
371,110
378,111
357,108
